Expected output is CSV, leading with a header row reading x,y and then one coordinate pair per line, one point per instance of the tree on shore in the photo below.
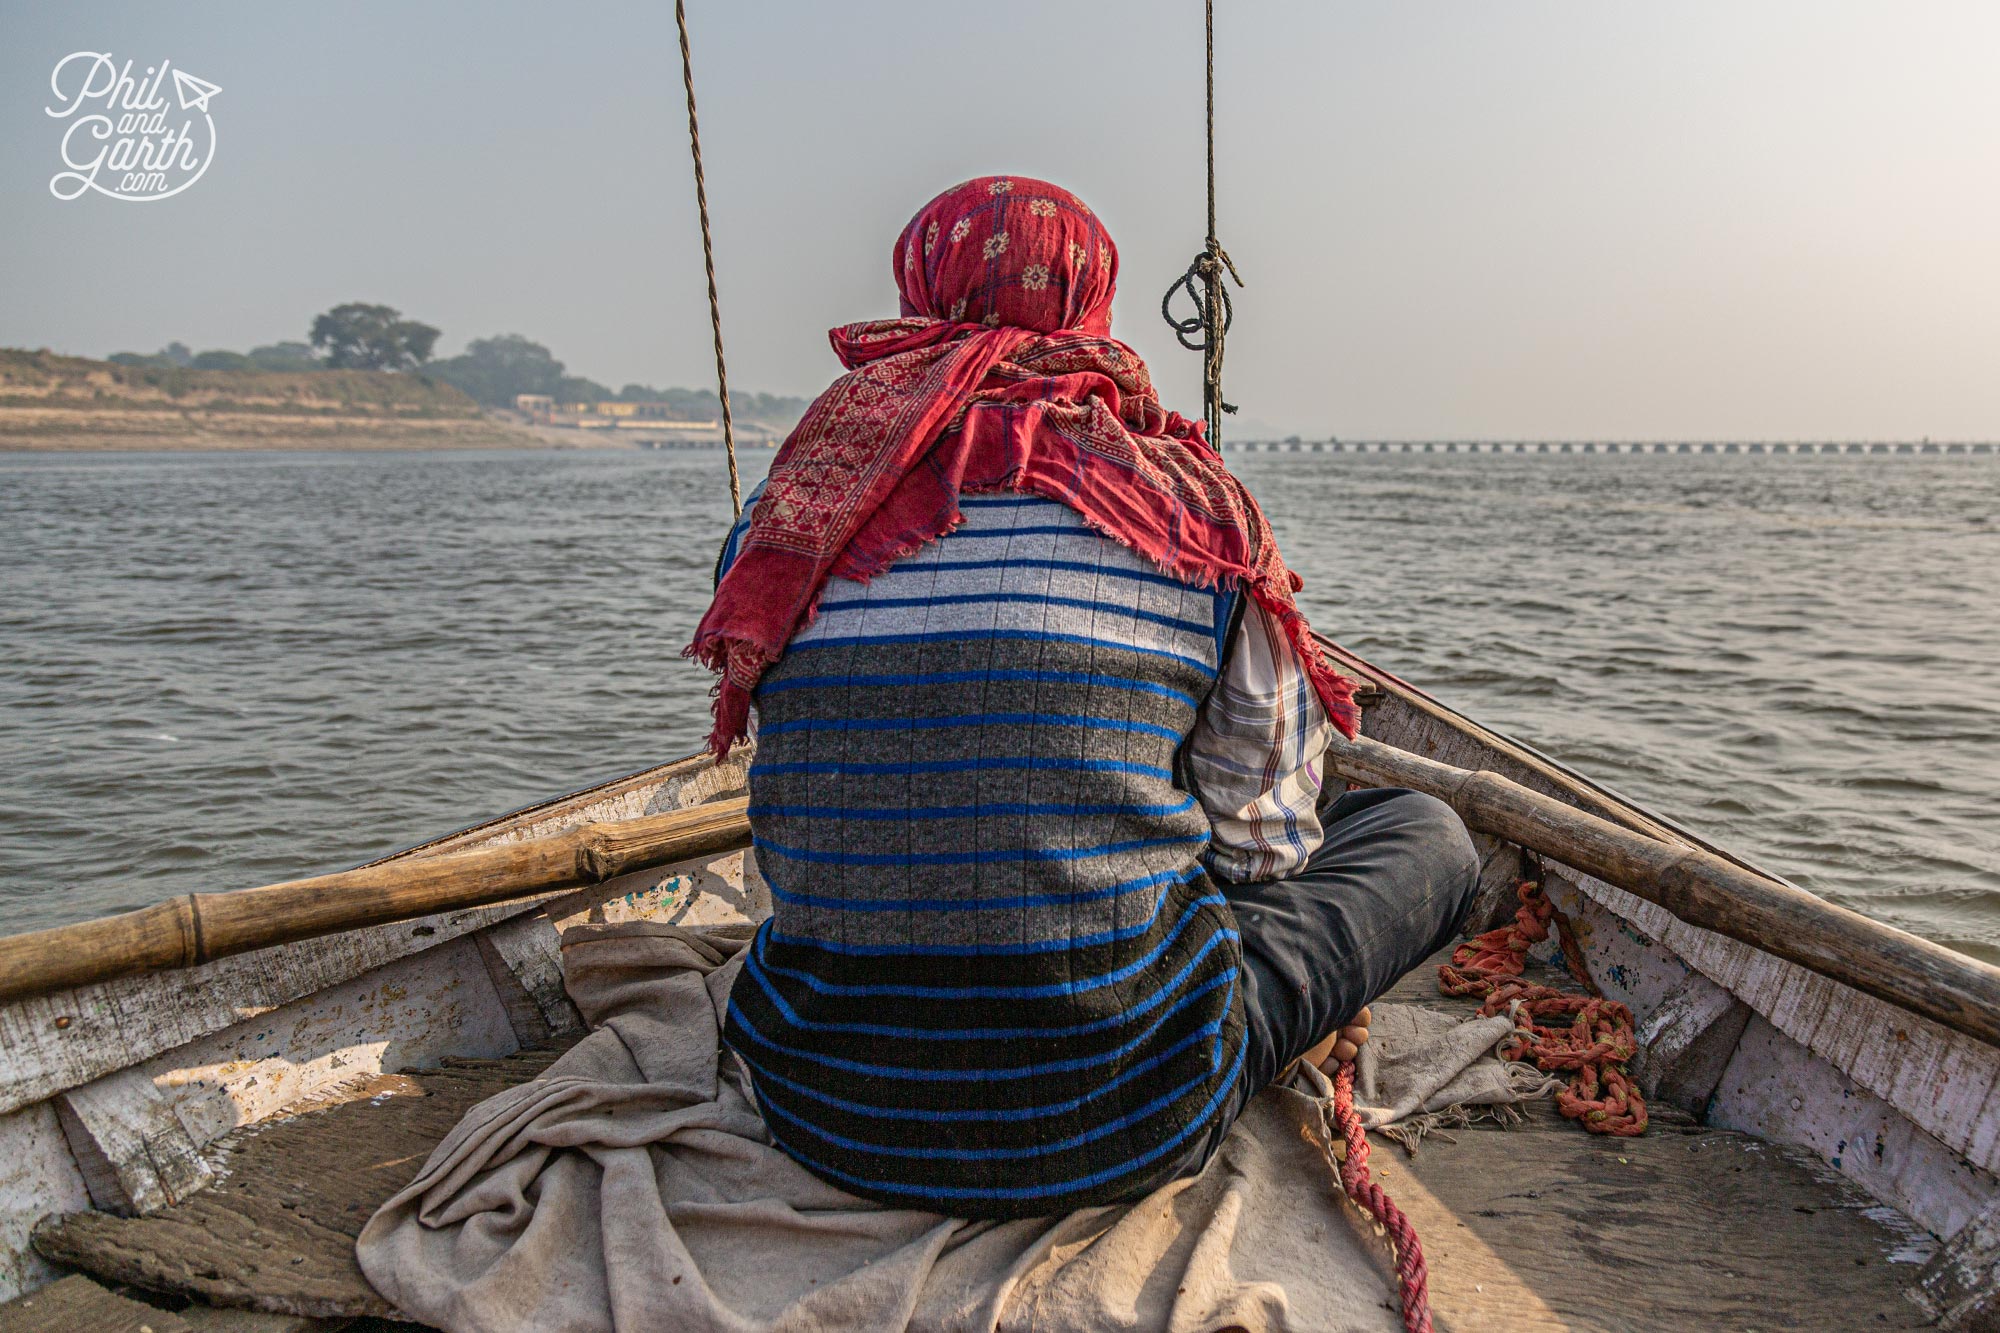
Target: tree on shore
x,y
490,371
703,405
289,356
493,370
285,356
357,336
174,354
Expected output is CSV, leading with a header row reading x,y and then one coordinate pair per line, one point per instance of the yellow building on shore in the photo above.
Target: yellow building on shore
x,y
613,414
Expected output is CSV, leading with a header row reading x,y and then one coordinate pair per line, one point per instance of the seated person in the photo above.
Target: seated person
x,y
1037,787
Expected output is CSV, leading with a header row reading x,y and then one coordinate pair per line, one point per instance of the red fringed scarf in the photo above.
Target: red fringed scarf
x,y
1001,375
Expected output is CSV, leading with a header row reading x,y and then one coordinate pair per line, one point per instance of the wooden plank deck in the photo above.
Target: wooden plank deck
x,y
76,1304
276,1231
1943,1087
1535,1227
1540,1226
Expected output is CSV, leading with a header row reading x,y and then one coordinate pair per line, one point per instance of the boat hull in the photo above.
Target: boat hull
x,y
113,1091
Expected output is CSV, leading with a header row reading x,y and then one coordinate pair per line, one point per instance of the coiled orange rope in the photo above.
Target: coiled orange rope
x,y
1592,1049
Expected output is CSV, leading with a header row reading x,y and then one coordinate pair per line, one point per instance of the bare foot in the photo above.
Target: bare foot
x,y
1343,1045
1348,1042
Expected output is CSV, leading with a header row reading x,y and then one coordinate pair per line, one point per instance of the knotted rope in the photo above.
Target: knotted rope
x,y
1594,1046
1412,1276
1213,311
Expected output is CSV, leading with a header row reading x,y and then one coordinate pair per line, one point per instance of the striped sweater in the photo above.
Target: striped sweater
x,y
998,979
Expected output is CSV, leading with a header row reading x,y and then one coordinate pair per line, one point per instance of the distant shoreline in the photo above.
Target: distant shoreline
x,y
51,403
83,430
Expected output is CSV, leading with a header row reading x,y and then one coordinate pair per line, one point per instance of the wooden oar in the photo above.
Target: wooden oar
x,y
1703,890
202,927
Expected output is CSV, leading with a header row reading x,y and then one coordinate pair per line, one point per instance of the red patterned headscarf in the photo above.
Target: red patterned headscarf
x,y
1001,375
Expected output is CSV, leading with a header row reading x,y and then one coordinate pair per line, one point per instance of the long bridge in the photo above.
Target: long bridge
x,y
1298,446
1295,445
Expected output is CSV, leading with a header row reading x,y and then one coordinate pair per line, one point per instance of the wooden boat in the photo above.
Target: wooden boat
x,y
193,1138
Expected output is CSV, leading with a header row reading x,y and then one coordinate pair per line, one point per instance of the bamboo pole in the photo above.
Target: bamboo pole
x,y
202,927
1703,890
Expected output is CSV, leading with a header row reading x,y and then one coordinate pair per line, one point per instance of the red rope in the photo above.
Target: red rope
x,y
1413,1278
1591,1048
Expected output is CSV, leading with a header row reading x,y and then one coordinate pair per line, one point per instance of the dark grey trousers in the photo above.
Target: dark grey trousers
x,y
1390,886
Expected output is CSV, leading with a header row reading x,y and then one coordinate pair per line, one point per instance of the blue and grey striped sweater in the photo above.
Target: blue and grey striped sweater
x,y
996,980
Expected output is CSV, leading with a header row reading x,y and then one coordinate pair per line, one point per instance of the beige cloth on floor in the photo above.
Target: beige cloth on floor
x,y
1418,1060
633,1186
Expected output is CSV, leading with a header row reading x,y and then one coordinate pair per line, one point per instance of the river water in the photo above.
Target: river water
x,y
227,669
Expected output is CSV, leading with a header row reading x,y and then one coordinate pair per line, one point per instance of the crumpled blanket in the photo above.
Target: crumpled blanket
x,y
633,1186
1418,1061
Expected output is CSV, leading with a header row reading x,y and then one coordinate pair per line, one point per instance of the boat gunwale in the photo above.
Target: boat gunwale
x,y
500,825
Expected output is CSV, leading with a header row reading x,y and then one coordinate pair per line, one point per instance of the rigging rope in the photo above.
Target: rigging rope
x,y
708,261
1213,311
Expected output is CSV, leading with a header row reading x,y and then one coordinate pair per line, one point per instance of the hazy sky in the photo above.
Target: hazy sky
x,y
1565,218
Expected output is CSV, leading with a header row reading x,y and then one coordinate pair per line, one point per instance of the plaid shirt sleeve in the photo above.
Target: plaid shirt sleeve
x,y
1254,757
